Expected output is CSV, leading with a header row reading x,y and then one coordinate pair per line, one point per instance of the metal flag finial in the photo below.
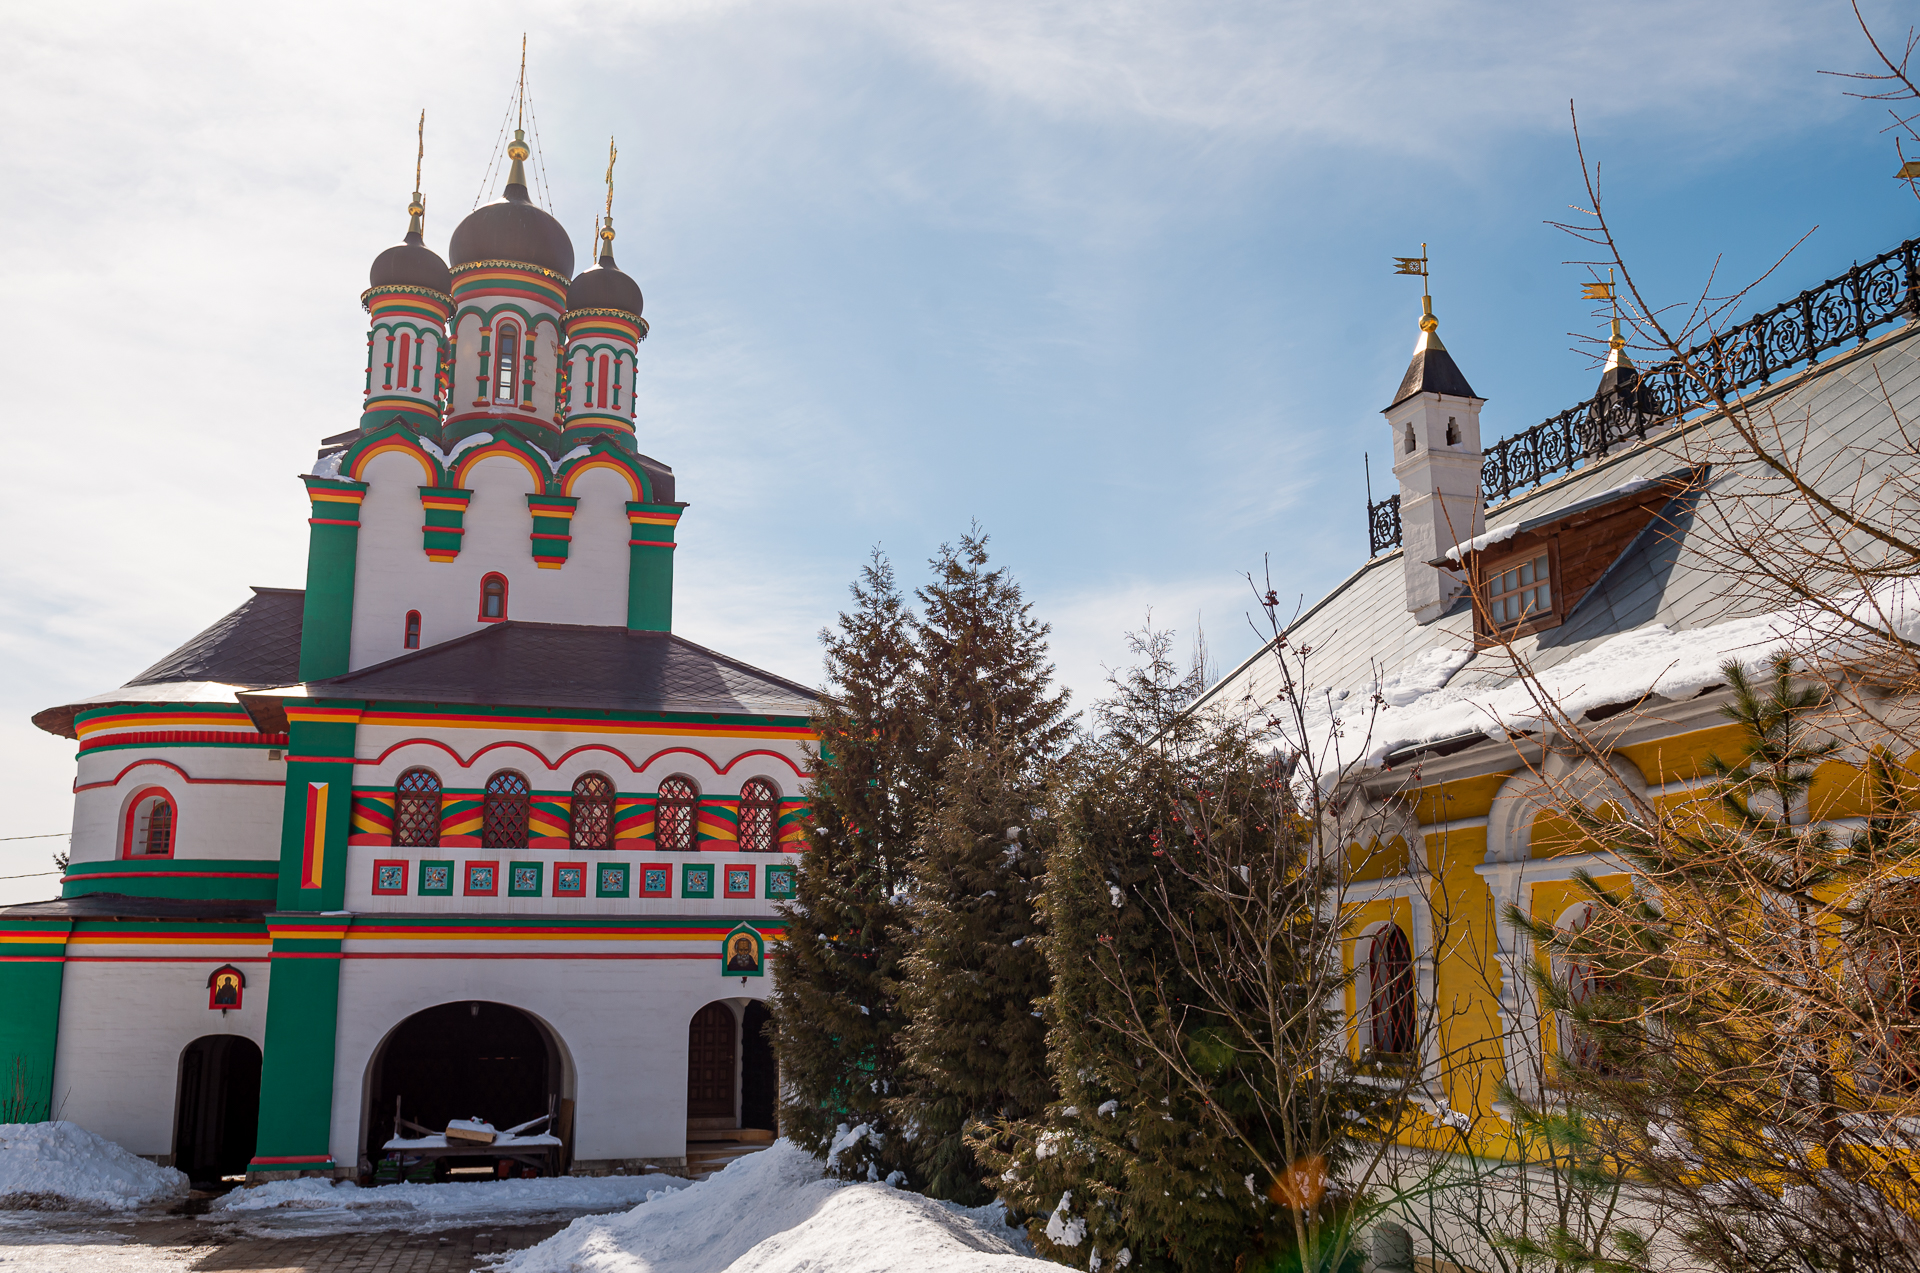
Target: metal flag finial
x,y
1418,265
417,209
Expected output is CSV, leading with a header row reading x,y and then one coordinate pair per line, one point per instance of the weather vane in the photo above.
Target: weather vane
x,y
1418,265
1598,291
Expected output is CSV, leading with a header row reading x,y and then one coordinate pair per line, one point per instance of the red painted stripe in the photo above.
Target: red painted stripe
x,y
156,959
455,954
161,736
651,543
444,530
45,959
565,539
330,521
173,875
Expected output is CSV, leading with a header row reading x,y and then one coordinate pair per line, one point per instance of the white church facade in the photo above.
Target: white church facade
x,y
462,830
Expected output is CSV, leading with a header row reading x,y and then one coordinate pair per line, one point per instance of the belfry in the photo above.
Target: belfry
x,y
462,830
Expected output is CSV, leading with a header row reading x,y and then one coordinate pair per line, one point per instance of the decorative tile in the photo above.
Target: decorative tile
x,y
696,880
483,879
738,880
389,878
610,879
436,879
782,881
569,879
524,879
656,879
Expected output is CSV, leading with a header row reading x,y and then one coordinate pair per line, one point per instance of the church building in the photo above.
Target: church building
x,y
463,831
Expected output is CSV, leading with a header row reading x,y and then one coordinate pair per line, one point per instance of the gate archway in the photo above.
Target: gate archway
x,y
216,1115
470,1059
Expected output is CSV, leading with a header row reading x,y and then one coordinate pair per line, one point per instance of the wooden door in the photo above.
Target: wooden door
x,y
710,1063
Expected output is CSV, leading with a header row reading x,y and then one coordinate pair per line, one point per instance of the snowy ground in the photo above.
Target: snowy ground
x,y
769,1212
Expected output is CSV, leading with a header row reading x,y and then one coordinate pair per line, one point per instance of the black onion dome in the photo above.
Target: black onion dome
x,y
607,287
512,230
411,264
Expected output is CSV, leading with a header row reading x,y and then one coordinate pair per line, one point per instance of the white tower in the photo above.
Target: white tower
x,y
1435,426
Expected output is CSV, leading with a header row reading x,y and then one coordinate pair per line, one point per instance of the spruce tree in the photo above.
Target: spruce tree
x,y
836,1021
974,1041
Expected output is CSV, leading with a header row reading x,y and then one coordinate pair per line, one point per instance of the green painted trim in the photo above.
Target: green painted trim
x,y
326,623
650,573
573,713
335,741
175,877
296,1080
100,747
31,974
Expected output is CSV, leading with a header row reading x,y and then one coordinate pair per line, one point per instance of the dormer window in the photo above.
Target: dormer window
x,y
493,598
1520,592
506,364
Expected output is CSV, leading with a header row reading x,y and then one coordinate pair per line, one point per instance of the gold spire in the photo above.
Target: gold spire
x,y
417,209
1616,343
517,149
606,223
1429,325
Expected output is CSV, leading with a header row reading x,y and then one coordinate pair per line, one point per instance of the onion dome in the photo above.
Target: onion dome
x,y
513,229
411,262
607,287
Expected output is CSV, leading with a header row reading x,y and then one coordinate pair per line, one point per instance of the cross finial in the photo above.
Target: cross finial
x,y
417,209
606,222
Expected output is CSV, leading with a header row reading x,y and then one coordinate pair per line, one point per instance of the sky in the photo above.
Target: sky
x,y
1111,279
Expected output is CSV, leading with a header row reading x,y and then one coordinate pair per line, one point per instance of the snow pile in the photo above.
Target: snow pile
x,y
480,1198
772,1212
1419,705
73,1164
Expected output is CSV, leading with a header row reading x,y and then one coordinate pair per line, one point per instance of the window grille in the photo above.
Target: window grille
x,y
159,837
1520,593
416,809
592,812
503,822
759,817
675,815
1390,994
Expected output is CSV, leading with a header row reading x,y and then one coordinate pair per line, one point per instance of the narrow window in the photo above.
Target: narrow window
x,y
1520,593
759,817
1390,994
150,825
603,380
1410,443
493,598
592,813
616,384
503,813
412,638
1585,980
389,383
416,809
506,364
675,815
1453,432
406,357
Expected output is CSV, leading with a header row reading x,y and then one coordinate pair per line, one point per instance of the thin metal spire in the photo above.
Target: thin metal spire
x,y
606,223
417,209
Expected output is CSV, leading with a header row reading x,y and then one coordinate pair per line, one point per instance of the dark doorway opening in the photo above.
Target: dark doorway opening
x,y
463,1060
710,1062
217,1113
759,1078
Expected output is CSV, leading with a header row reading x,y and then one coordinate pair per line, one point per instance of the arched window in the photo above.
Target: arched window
x,y
592,812
1390,994
503,813
675,814
759,817
151,825
1887,946
412,638
1585,980
416,809
506,364
493,598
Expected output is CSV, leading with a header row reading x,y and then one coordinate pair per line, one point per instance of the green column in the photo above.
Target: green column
x,y
30,971
303,994
296,1079
650,568
333,539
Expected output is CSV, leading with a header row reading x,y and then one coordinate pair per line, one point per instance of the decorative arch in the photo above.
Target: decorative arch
x,y
1528,793
386,440
508,310
150,825
468,761
522,453
605,455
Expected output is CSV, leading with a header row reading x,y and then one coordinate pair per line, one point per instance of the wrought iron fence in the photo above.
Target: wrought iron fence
x,y
1784,338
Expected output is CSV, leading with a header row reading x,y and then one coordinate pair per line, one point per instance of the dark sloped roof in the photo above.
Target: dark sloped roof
x,y
121,906
257,645
517,664
1432,371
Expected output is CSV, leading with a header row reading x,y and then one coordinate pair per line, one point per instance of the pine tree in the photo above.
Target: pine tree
x,y
835,1019
974,1043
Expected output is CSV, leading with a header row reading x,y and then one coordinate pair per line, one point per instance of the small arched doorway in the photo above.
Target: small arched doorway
x,y
472,1059
712,1059
217,1111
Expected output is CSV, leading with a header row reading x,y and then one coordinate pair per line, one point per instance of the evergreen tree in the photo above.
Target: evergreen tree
x,y
835,1018
974,1043
1177,1142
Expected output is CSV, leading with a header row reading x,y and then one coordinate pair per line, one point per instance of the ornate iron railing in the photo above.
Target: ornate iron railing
x,y
1784,338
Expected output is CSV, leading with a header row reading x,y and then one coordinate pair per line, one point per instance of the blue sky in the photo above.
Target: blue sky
x,y
1111,278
